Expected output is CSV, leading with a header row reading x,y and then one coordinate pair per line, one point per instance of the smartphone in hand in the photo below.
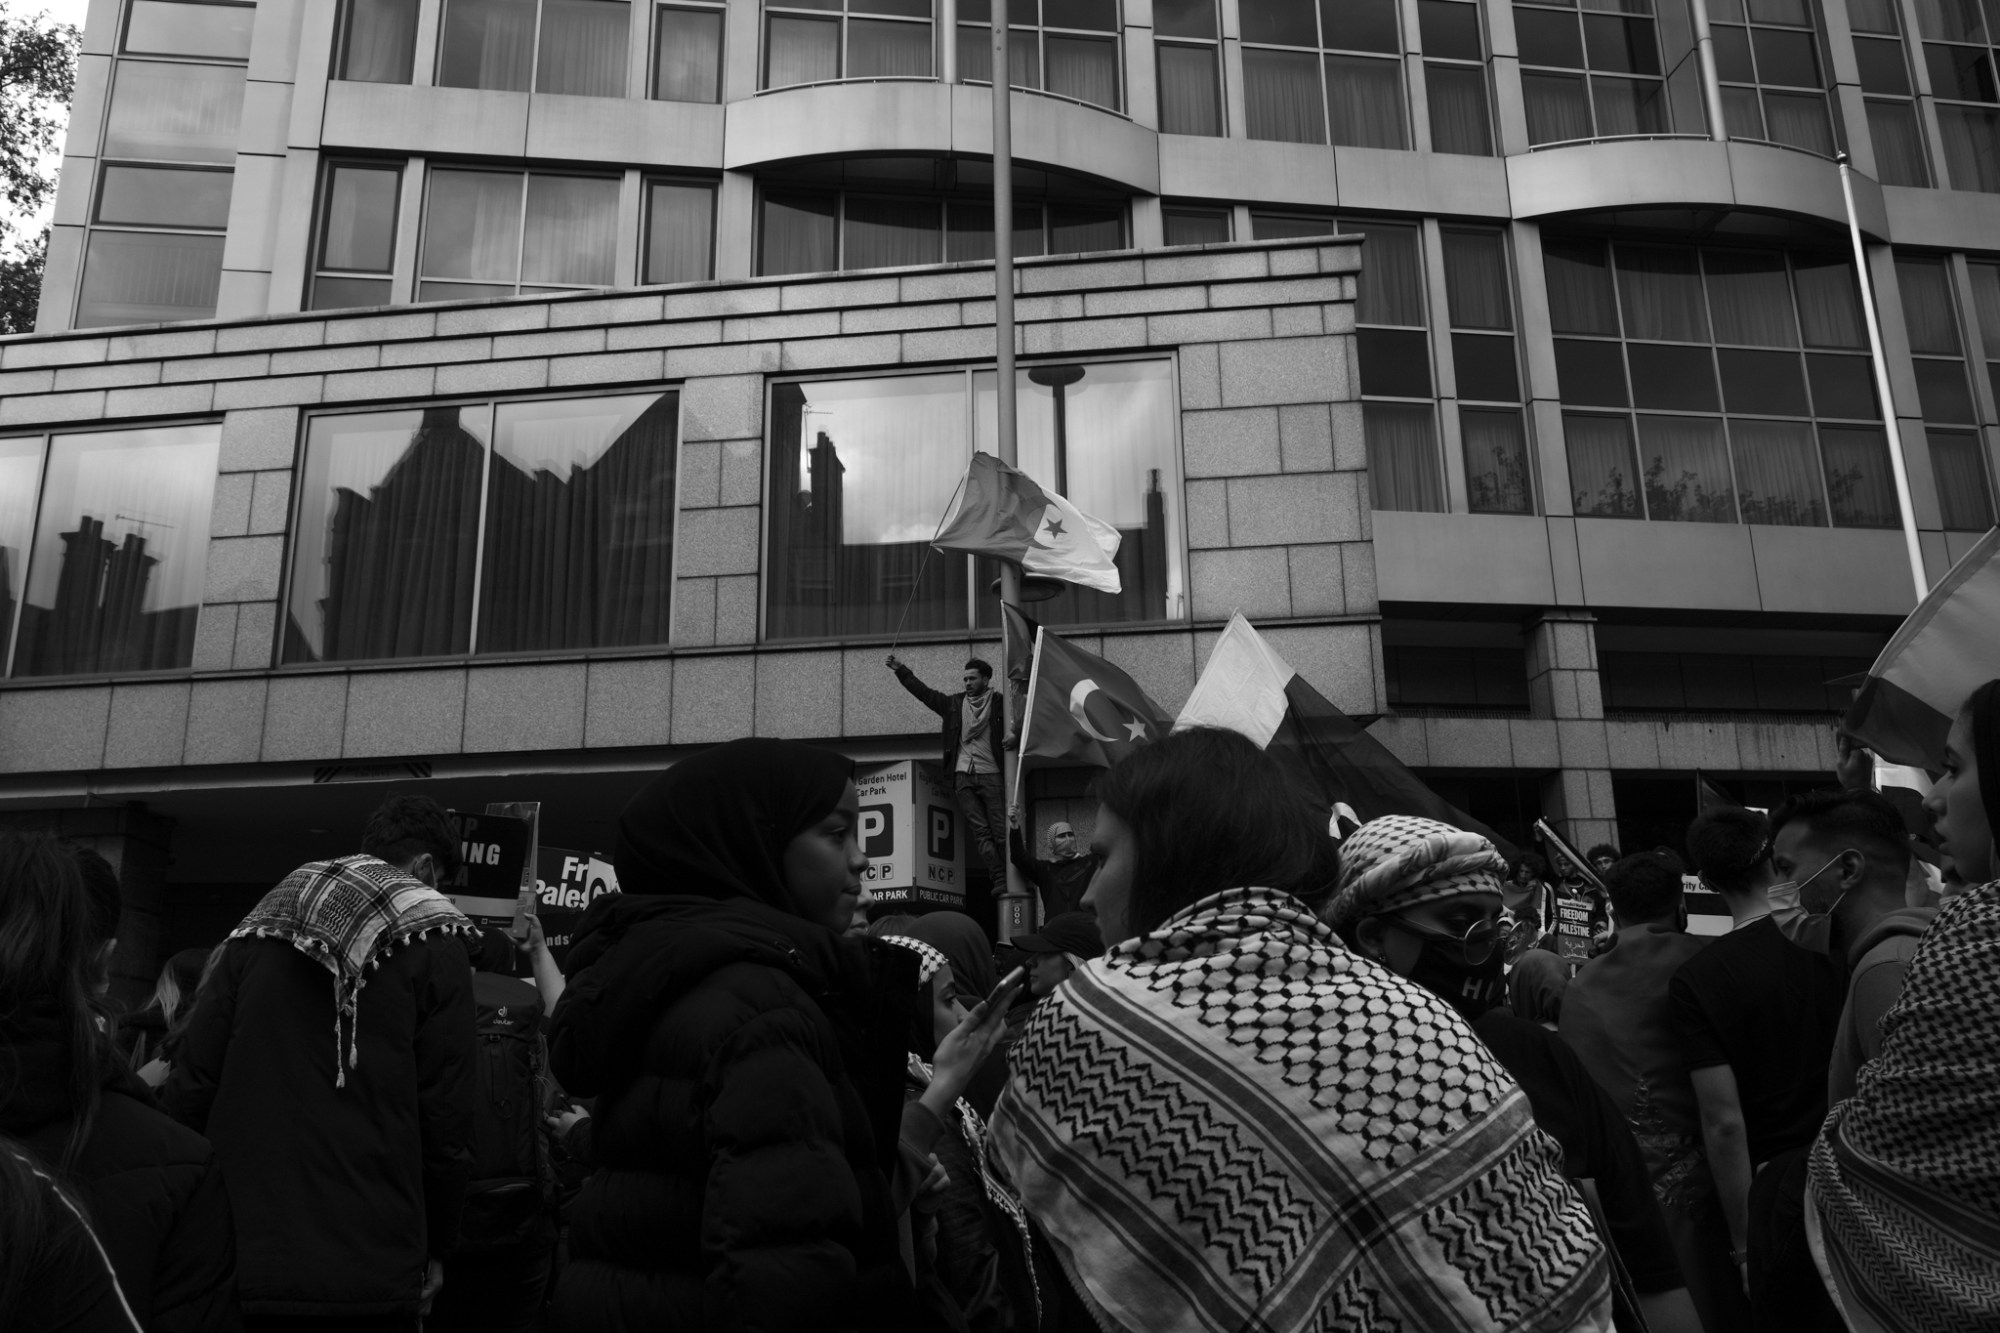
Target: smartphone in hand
x,y
1011,982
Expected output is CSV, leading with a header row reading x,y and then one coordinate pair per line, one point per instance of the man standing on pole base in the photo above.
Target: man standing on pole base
x,y
974,722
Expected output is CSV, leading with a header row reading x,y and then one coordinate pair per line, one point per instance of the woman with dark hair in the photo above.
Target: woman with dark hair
x,y
1232,1122
54,1274
748,1059
152,1187
1904,1220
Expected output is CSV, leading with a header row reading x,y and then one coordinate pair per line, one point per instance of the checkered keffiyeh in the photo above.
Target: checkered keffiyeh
x,y
932,959
1399,861
346,915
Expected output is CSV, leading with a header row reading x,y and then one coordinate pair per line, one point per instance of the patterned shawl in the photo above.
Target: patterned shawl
x,y
345,914
1906,1173
1234,1123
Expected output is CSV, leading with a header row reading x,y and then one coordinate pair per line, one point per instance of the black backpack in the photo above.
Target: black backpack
x,y
511,1196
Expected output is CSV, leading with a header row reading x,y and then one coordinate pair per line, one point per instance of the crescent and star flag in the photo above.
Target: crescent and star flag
x,y
1246,687
1083,710
1948,648
1005,513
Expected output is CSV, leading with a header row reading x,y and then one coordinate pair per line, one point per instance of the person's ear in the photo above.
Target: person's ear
x,y
425,868
1368,935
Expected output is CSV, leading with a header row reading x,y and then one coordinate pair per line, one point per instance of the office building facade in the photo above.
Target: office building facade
x,y
509,393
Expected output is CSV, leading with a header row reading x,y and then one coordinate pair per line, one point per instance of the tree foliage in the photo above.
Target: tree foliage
x,y
37,76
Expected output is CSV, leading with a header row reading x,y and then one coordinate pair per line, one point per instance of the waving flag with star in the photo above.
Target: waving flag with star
x,y
1083,710
1005,513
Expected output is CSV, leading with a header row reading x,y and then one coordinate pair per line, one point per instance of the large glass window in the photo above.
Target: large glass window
x,y
1591,74
113,574
1066,47
863,470
1716,386
497,233
687,53
1931,318
1185,224
173,28
550,46
1187,46
174,112
1326,72
680,231
378,41
819,231
1985,276
554,519
1498,479
1767,55
1890,100
812,41
1455,77
1958,52
357,235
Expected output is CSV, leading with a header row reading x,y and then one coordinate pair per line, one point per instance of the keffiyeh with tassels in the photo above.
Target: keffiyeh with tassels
x,y
1234,1123
345,914
1906,1173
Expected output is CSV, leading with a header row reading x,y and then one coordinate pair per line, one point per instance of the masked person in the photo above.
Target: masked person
x,y
1231,1120
1905,1198
1061,879
1424,900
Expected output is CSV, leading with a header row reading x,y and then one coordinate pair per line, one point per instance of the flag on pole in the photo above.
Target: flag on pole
x,y
1005,513
1708,796
1247,687
1949,646
1083,710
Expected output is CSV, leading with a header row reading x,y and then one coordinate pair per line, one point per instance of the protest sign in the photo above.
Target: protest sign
x,y
494,849
524,900
566,883
911,833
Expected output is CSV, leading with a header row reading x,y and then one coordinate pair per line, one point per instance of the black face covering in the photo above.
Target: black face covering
x,y
1470,988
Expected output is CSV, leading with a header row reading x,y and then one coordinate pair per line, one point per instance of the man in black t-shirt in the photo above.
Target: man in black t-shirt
x,y
1755,1016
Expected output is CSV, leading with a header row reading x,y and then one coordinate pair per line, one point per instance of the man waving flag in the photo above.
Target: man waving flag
x,y
1005,514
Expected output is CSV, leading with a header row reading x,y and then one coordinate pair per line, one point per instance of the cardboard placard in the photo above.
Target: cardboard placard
x,y
524,899
566,884
494,848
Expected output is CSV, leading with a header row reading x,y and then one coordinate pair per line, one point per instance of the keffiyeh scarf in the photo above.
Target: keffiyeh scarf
x,y
1906,1173
345,915
1234,1123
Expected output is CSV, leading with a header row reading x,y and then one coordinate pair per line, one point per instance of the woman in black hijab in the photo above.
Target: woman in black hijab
x,y
747,1060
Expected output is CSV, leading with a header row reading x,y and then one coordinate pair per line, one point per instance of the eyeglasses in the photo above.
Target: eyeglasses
x,y
1473,947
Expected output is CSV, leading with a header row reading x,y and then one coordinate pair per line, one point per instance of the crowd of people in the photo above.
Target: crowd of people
x,y
1245,1075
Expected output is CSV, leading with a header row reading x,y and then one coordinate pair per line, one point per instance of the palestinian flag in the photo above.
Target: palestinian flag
x,y
1005,513
1949,646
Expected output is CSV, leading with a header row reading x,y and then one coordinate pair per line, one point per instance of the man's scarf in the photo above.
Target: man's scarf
x,y
1235,1123
345,915
1906,1173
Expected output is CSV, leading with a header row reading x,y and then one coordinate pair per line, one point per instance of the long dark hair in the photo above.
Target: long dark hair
x,y
44,1237
1210,811
48,943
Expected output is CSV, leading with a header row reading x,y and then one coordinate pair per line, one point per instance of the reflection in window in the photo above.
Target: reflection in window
x,y
378,41
818,232
1958,44
170,28
357,236
812,41
1310,71
687,54
482,238
1890,102
680,231
578,519
174,112
1959,465
1190,66
1769,63
1066,47
148,277
863,470
1750,375
20,484
1494,439
550,46
1455,77
120,550
1592,75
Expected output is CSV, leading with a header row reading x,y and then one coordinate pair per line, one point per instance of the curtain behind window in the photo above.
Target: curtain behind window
x,y
1457,98
1971,146
1961,480
1602,478
1391,290
473,231
1496,462
1579,282
1750,298
1628,106
1558,109
1857,477
1661,291
1899,147
1078,229
1402,457
488,44
579,525
889,233
1777,473
680,230
687,63
1085,68
1829,302
798,234
572,231
1685,465
1190,93
1281,97
801,51
879,49
381,41
1927,307
1475,280
1365,100
583,47
1986,305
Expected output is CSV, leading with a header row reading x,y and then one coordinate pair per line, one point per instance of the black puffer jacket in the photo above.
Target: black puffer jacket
x,y
153,1188
748,1067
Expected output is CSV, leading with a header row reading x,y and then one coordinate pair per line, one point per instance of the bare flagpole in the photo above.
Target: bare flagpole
x,y
1896,466
1014,911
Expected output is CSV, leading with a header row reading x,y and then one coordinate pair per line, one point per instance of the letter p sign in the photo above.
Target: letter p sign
x,y
943,834
878,831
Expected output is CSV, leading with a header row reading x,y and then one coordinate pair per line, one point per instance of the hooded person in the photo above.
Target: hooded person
x,y
1232,1121
747,1057
1904,1215
1424,900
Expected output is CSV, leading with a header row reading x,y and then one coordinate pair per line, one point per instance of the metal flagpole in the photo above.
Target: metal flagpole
x,y
1902,475
1014,911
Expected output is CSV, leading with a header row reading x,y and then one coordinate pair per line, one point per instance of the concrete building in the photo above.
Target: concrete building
x,y
532,388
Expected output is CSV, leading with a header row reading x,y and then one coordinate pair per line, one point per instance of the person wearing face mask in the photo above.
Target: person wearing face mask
x,y
1062,878
1842,859
1425,901
1618,1017
1905,1179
